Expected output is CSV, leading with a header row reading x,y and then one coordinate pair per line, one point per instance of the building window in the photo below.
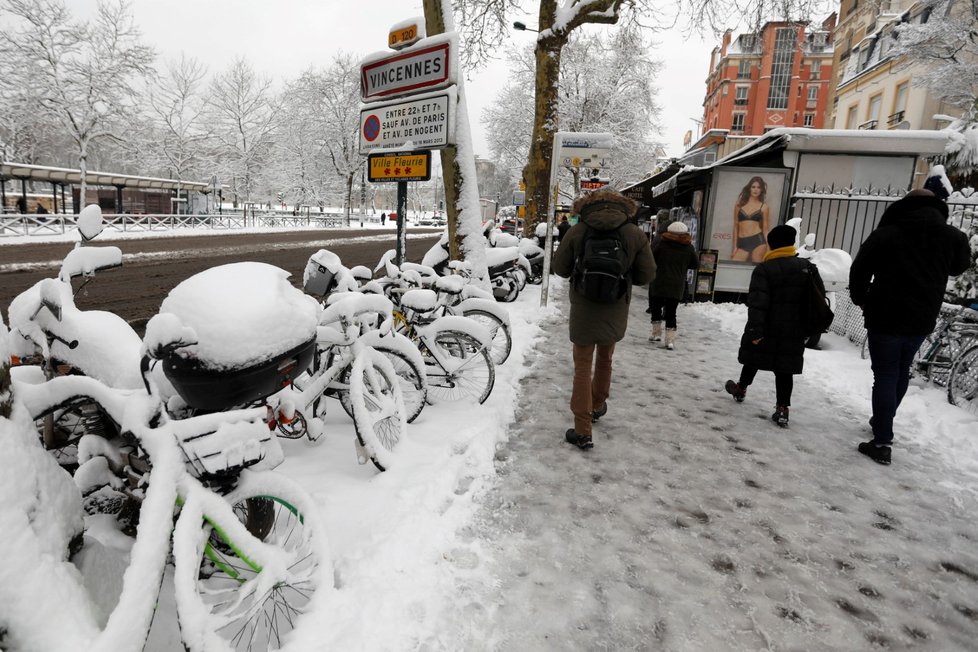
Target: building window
x,y
783,61
813,93
852,117
737,125
809,119
743,69
740,98
899,104
874,107
900,101
815,72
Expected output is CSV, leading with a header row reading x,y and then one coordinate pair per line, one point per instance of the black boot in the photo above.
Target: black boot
x,y
597,414
879,454
735,390
581,441
780,415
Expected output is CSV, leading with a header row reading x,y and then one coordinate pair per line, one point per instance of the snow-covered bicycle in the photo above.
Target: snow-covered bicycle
x,y
349,366
249,552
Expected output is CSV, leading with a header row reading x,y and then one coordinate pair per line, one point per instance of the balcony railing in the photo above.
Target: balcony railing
x,y
895,118
869,124
740,101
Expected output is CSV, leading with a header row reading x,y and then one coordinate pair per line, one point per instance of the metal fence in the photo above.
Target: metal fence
x,y
54,223
842,218
848,320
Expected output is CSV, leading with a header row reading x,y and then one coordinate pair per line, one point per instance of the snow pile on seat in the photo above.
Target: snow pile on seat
x,y
242,313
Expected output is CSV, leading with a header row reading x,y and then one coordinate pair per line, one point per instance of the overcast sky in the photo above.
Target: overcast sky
x,y
282,38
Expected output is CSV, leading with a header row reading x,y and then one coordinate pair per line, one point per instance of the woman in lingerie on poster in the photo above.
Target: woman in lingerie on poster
x,y
751,215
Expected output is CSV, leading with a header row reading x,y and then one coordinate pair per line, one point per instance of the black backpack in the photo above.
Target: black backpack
x,y
601,268
816,315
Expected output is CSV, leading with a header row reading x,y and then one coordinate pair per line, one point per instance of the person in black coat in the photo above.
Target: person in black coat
x,y
562,228
674,255
898,278
774,338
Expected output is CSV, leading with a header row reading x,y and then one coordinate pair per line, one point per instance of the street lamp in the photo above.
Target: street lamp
x,y
523,28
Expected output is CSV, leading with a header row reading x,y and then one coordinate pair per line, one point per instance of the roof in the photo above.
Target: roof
x,y
906,142
12,170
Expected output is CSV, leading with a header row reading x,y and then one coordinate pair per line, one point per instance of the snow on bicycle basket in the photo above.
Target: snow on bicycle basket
x,y
254,334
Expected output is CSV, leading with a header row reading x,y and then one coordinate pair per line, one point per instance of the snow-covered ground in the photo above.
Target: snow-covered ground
x,y
694,524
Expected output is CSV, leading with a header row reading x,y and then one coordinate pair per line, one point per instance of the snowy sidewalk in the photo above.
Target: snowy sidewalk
x,y
695,523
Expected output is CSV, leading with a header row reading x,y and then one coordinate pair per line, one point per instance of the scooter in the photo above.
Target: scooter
x,y
50,336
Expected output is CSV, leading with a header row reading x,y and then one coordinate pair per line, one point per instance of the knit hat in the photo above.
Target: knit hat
x,y
781,236
677,227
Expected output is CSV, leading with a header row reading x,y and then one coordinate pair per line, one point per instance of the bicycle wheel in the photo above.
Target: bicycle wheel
x,y
409,377
458,367
226,601
962,385
502,340
378,407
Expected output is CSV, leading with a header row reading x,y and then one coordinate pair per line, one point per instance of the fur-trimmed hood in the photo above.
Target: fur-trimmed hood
x,y
605,209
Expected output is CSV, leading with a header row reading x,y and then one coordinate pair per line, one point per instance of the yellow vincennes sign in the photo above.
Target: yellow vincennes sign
x,y
407,166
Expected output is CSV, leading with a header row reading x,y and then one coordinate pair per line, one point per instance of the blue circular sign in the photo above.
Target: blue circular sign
x,y
371,128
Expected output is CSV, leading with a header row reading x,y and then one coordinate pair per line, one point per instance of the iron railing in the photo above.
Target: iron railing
x,y
55,223
842,218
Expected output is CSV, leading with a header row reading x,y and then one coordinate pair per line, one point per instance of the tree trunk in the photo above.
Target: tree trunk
x,y
545,125
450,173
83,171
349,196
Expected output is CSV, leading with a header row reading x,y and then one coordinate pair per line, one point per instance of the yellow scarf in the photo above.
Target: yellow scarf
x,y
780,252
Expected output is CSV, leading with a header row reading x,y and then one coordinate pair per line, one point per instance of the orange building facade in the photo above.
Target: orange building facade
x,y
777,77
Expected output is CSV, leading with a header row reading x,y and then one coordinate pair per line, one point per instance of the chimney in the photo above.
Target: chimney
x,y
726,41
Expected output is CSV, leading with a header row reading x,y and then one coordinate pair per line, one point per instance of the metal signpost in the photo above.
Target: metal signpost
x,y
397,135
400,167
588,150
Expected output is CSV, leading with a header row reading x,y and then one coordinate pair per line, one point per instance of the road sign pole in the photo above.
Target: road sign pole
x,y
401,222
551,206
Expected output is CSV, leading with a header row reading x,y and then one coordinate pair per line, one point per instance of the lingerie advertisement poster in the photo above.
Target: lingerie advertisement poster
x,y
746,205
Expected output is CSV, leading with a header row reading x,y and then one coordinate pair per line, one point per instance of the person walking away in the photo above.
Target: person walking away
x,y
674,255
596,327
774,338
562,228
898,279
662,222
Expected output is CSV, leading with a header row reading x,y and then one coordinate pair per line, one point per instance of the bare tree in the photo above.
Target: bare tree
x,y
177,108
338,98
607,85
943,54
484,25
85,74
241,110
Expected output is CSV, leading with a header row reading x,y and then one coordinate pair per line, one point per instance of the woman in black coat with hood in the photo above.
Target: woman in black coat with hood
x,y
674,256
774,338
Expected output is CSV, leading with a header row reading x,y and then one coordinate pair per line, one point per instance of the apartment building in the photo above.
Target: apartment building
x,y
779,76
875,89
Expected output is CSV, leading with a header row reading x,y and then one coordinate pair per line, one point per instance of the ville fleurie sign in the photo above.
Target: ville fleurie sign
x,y
409,70
424,121
404,166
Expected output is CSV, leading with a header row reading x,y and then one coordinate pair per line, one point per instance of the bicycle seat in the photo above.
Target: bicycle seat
x,y
451,284
420,300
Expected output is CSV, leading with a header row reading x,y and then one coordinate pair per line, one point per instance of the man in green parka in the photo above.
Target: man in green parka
x,y
595,328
